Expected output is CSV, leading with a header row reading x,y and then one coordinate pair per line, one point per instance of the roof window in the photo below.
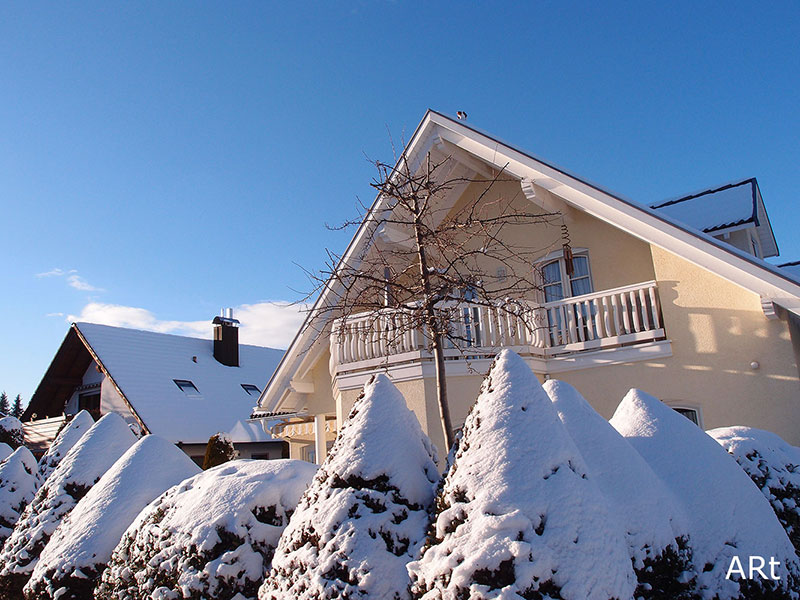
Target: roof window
x,y
187,387
251,389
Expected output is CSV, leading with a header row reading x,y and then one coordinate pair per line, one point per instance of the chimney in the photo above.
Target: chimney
x,y
226,338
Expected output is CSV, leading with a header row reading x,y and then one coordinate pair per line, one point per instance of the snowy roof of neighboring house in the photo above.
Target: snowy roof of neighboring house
x,y
246,431
39,434
144,367
793,268
731,205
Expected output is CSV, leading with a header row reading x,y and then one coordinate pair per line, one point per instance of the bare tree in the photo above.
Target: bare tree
x,y
438,238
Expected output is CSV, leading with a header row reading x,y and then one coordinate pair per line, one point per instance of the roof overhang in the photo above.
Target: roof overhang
x,y
636,219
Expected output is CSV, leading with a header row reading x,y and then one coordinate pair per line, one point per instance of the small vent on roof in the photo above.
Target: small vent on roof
x,y
187,387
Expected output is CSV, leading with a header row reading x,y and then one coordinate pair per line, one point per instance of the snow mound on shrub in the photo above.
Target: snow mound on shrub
x,y
81,468
365,514
654,522
727,515
65,440
518,516
5,451
11,432
18,484
212,536
76,555
773,465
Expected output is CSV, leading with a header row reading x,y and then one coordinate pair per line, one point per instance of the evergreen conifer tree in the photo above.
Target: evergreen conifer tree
x,y
16,409
4,407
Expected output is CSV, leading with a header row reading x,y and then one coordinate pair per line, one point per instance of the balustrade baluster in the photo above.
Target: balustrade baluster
x,y
636,318
654,307
643,302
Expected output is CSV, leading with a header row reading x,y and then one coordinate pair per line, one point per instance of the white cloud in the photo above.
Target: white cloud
x,y
272,324
56,273
79,283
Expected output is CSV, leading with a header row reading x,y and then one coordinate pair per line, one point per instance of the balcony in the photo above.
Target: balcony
x,y
616,318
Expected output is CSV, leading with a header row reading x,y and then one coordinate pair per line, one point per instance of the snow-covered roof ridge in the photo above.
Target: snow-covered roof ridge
x,y
519,514
79,470
652,517
365,514
727,514
212,535
144,366
65,440
79,549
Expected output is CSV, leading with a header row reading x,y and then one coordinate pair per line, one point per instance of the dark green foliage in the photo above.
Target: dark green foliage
x,y
5,409
218,451
11,432
74,588
665,576
16,409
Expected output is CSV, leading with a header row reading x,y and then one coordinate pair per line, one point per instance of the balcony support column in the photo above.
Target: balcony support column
x,y
320,445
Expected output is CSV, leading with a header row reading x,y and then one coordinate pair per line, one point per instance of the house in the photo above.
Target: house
x,y
675,299
180,388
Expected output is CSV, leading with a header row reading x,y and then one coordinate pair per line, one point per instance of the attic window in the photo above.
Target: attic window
x,y
187,387
251,389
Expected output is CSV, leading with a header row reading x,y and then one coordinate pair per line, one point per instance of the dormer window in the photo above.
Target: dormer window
x,y
251,389
187,387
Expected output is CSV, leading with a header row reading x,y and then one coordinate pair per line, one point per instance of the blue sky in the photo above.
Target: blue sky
x,y
161,160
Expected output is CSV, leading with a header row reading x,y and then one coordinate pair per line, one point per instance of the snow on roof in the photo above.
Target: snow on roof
x,y
713,209
245,431
145,366
793,268
728,514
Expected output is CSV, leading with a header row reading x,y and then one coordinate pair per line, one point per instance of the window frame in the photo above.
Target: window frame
x,y
566,280
186,383
245,387
677,406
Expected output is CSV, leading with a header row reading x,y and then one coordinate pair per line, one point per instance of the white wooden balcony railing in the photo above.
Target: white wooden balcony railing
x,y
617,317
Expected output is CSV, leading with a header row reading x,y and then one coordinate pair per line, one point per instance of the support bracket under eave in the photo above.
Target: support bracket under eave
x,y
544,198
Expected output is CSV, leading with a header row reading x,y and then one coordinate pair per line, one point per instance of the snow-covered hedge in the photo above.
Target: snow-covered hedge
x,y
11,432
518,515
81,468
219,450
18,484
5,451
364,515
70,565
653,520
65,440
773,465
212,536
727,514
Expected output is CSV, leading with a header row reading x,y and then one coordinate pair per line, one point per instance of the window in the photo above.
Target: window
x,y
251,389
90,403
557,284
690,413
187,387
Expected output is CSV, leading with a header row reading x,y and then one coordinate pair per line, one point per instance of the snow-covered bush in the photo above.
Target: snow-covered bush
x,y
65,440
212,536
773,465
11,432
517,515
5,451
81,468
70,565
18,484
219,450
728,516
364,515
654,522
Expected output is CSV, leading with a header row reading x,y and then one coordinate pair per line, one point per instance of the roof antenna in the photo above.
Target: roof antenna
x,y
462,116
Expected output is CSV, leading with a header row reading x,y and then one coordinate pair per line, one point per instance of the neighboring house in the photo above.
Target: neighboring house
x,y
675,299
180,388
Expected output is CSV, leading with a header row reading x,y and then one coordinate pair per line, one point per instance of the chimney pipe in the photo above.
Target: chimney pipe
x,y
226,338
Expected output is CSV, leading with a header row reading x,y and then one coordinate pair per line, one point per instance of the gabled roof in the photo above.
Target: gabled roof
x,y
722,208
144,365
650,225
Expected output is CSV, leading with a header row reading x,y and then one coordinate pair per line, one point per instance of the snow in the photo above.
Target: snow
x,y
18,484
11,431
79,470
727,514
773,465
714,209
518,515
145,364
5,451
364,516
211,536
79,549
652,517
249,432
65,440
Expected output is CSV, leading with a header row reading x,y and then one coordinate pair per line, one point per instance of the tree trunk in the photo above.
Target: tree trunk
x,y
441,391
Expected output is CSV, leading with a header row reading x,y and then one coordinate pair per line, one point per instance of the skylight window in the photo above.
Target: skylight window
x,y
187,387
251,389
